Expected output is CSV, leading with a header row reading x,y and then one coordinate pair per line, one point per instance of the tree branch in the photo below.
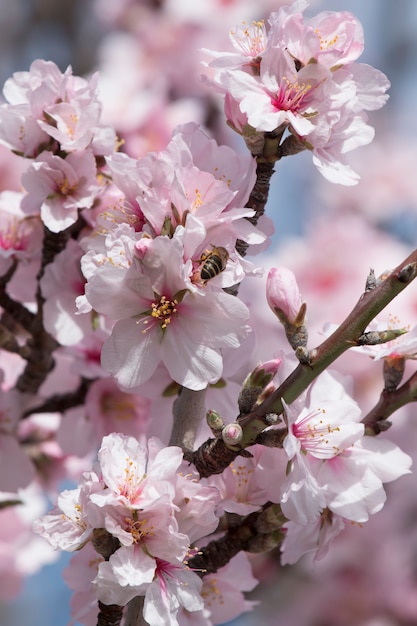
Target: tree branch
x,y
189,411
134,614
212,459
389,402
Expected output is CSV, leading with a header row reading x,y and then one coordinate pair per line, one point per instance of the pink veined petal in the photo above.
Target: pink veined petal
x,y
166,461
385,458
56,217
191,364
351,490
217,319
335,171
130,354
111,292
132,566
302,499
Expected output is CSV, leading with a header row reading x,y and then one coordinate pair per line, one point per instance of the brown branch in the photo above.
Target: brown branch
x,y
105,544
261,529
134,613
258,197
189,411
389,402
41,345
109,614
62,402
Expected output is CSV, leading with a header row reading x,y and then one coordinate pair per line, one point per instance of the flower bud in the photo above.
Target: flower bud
x,y
283,295
255,383
232,434
215,423
393,371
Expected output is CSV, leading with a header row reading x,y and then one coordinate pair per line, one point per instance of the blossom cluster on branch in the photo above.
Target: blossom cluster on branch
x,y
121,302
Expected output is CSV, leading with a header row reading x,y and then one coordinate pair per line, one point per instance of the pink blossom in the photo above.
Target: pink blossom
x,y
60,187
222,592
73,123
174,586
237,170
245,485
110,409
162,318
353,480
135,474
305,79
249,40
323,429
67,526
61,283
314,538
330,38
281,95
45,106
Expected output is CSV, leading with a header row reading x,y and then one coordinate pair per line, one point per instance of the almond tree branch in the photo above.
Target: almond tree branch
x,y
41,345
62,401
389,402
189,411
134,613
372,302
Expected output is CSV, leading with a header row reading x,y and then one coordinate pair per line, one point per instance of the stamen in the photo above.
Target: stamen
x,y
163,310
325,44
251,40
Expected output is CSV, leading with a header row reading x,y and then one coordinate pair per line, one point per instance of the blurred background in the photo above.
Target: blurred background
x,y
147,53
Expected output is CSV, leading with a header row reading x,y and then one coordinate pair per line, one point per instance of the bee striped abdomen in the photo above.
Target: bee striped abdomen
x,y
214,263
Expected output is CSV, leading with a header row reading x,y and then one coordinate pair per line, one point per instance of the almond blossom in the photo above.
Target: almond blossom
x,y
327,450
134,498
59,187
45,108
305,79
162,317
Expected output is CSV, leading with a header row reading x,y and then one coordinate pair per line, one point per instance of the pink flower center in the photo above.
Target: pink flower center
x,y
325,44
315,435
290,96
120,406
164,310
251,39
65,188
12,236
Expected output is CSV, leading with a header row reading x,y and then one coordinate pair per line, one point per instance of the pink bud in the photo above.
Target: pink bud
x,y
232,434
282,293
141,247
268,367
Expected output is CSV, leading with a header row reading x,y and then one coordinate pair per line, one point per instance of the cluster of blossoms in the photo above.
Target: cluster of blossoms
x,y
138,495
54,119
302,75
160,513
159,264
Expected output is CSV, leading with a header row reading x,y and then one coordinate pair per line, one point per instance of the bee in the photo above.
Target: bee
x,y
213,262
